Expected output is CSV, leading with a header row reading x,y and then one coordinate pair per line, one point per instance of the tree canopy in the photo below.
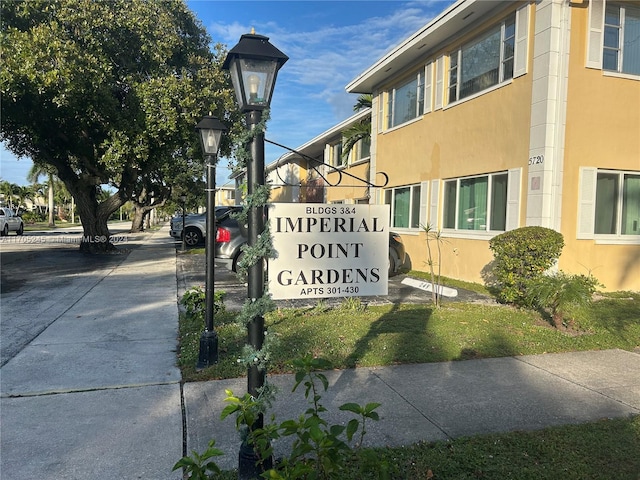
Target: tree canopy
x,y
109,92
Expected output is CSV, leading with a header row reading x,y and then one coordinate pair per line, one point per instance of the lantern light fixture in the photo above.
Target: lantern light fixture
x,y
253,64
211,130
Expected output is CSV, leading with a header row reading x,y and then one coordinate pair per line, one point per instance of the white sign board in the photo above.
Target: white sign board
x,y
328,250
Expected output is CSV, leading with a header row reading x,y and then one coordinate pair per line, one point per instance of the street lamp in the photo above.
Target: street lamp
x,y
210,129
253,64
183,200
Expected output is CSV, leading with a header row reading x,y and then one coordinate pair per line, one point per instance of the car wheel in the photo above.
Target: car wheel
x,y
234,266
5,231
192,237
392,264
20,230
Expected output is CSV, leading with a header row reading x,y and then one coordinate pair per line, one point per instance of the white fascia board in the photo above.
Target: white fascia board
x,y
450,22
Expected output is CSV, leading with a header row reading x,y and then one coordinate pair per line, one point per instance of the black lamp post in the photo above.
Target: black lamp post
x,y
210,129
183,200
253,64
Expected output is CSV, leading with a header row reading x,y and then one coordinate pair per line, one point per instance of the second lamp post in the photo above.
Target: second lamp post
x,y
210,129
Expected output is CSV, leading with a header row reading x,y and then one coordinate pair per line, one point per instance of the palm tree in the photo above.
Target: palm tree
x,y
360,130
364,101
40,169
7,190
23,193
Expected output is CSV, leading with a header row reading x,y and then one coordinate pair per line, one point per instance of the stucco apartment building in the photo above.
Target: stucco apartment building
x,y
497,115
318,172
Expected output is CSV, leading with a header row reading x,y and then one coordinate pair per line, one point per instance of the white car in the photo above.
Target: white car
x,y
10,222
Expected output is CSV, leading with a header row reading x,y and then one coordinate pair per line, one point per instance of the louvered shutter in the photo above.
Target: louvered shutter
x,y
439,82
433,203
587,202
514,180
596,27
428,87
424,202
521,53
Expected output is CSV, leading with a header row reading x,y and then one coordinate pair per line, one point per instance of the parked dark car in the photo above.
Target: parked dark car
x,y
397,253
230,237
195,225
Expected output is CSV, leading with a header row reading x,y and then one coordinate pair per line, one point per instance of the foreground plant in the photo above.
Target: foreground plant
x,y
561,291
194,301
435,235
200,466
319,451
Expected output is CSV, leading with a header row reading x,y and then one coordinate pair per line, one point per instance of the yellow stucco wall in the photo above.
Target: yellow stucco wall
x,y
349,188
490,133
485,134
603,130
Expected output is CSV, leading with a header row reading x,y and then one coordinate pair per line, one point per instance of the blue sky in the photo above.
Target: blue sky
x,y
328,43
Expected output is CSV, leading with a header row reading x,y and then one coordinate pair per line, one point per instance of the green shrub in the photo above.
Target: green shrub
x,y
521,256
194,301
560,291
31,217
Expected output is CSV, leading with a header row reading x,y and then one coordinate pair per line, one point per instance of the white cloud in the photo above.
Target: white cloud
x,y
329,44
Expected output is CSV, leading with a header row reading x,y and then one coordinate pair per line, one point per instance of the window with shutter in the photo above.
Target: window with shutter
x,y
609,205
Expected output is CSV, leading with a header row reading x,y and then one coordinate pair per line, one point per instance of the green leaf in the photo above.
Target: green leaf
x,y
228,410
351,407
336,430
316,433
352,428
370,407
323,379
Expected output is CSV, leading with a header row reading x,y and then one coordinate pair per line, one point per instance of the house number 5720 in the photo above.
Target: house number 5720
x,y
536,160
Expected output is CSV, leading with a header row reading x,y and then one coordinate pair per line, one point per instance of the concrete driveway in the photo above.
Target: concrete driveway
x,y
191,272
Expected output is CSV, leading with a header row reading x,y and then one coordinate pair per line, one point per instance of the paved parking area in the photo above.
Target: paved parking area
x,y
191,272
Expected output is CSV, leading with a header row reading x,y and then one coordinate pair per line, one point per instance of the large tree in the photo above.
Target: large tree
x,y
107,92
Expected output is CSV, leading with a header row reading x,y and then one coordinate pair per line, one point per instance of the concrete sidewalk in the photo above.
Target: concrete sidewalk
x,y
97,394
438,401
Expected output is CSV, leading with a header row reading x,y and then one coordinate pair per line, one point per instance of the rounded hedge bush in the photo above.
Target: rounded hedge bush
x,y
522,255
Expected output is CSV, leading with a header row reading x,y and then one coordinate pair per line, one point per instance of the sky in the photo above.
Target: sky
x,y
329,43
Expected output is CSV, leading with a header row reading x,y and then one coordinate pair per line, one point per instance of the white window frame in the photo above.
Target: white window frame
x,y
355,155
417,188
621,36
587,208
595,38
419,103
336,159
457,64
512,200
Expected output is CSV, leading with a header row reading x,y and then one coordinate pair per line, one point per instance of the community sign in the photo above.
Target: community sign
x,y
328,250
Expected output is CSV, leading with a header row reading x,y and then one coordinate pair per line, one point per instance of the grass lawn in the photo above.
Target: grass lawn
x,y
352,336
601,450
30,227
